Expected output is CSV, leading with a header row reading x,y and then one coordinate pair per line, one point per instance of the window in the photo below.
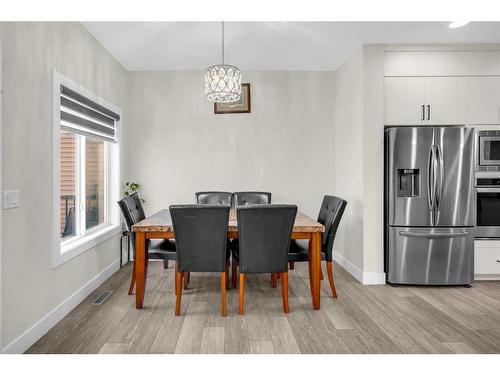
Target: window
x,y
86,191
86,169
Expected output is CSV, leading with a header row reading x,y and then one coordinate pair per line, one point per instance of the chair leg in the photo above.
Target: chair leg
x,y
241,309
165,264
291,265
284,291
226,272
128,249
132,280
274,279
321,272
234,273
186,280
121,249
329,270
178,292
175,276
224,280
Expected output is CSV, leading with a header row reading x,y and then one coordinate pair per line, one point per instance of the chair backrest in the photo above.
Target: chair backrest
x,y
200,236
214,197
69,223
264,237
330,213
243,198
133,212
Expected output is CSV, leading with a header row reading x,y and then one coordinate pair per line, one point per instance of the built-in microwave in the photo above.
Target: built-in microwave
x,y
488,150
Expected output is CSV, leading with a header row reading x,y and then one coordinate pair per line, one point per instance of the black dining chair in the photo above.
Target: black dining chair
x,y
330,214
201,239
264,233
214,197
69,223
243,198
133,212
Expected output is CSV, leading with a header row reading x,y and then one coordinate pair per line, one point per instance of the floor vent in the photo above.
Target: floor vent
x,y
103,297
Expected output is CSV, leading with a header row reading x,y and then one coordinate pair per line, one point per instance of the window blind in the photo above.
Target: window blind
x,y
86,117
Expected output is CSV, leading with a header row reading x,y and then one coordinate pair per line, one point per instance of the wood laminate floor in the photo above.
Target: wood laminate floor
x,y
364,319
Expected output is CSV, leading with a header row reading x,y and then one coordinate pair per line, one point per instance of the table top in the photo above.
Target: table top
x,y
162,222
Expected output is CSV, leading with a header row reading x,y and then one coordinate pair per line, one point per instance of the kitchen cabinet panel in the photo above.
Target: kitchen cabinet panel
x,y
483,100
404,97
486,260
445,100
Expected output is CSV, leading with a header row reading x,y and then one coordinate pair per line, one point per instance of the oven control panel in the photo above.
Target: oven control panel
x,y
488,182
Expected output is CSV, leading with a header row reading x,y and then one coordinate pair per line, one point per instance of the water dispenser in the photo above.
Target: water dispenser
x,y
408,183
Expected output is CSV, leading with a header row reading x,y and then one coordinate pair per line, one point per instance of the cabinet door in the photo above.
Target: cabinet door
x,y
404,97
446,98
483,100
487,259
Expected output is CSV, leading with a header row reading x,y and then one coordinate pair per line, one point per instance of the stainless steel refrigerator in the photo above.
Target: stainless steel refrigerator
x,y
430,207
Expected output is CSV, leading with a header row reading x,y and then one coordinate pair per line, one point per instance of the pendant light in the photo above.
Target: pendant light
x,y
223,81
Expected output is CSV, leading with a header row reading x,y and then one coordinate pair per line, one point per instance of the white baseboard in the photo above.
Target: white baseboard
x,y
33,334
365,278
348,266
373,278
486,277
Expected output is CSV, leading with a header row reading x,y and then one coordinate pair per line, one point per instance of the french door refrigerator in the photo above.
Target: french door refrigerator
x,y
430,206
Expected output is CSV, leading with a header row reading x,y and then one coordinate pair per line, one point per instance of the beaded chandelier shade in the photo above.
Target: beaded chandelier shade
x,y
223,81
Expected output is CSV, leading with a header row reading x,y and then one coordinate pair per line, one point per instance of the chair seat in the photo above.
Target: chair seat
x,y
299,251
162,249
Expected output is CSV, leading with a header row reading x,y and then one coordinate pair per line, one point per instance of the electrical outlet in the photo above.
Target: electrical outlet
x,y
10,199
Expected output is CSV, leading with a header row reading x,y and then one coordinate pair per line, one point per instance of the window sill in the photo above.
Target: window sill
x,y
68,251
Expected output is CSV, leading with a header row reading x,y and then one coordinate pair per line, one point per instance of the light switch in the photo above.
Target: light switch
x,y
10,199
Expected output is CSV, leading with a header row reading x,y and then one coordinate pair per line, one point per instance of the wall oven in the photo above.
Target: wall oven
x,y
488,207
488,151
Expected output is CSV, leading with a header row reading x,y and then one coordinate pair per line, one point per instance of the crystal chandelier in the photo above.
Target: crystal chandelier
x,y
223,81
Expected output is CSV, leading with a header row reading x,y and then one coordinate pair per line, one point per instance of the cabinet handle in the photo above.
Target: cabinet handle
x,y
428,112
423,112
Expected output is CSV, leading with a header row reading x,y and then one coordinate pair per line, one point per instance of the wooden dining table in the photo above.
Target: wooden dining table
x,y
159,226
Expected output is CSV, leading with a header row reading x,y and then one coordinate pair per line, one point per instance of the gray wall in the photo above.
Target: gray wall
x,y
31,288
373,164
348,156
358,162
176,145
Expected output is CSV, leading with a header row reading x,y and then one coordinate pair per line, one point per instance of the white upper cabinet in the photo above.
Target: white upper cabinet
x,y
483,100
404,100
425,100
445,100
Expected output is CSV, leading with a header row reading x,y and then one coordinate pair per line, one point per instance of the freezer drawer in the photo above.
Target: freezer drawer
x,y
431,256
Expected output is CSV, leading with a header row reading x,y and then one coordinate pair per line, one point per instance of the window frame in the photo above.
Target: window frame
x,y
63,251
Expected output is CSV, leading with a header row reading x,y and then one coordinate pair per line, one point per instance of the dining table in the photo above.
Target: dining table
x,y
159,226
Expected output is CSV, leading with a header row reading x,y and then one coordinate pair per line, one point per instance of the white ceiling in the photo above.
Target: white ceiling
x,y
157,46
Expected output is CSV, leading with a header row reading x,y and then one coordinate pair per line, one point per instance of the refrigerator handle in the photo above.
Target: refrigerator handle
x,y
433,235
431,181
440,166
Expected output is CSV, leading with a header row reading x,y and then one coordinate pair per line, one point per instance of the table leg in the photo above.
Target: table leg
x,y
140,268
315,267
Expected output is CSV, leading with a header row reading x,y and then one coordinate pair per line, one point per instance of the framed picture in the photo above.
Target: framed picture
x,y
241,106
